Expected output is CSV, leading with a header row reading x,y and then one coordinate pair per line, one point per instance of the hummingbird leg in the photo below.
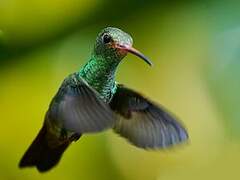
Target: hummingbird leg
x,y
75,137
65,136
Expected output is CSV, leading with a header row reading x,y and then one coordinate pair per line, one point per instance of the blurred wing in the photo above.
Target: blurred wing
x,y
143,123
78,108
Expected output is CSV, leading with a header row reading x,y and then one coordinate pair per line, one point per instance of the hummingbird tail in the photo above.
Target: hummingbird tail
x,y
41,155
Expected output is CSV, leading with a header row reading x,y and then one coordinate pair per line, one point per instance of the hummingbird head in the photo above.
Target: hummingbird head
x,y
113,45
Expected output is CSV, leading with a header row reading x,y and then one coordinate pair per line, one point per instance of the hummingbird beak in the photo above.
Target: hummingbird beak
x,y
134,51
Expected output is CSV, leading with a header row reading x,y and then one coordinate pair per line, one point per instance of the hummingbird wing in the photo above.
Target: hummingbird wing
x,y
78,108
144,123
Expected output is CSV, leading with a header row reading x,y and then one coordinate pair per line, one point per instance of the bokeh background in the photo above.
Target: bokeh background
x,y
195,47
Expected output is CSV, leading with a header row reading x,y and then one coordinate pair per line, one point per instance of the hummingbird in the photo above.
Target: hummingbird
x,y
90,101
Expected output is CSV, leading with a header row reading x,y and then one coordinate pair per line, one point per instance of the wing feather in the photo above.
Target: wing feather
x,y
144,123
79,108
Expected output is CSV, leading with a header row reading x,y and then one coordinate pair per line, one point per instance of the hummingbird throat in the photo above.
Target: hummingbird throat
x,y
99,73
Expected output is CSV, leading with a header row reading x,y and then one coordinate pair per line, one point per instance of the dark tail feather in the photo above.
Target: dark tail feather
x,y
42,156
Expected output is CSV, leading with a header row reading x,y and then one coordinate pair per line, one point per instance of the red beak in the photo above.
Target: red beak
x,y
134,51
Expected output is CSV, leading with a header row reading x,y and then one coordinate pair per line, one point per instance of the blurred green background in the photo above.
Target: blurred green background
x,y
195,47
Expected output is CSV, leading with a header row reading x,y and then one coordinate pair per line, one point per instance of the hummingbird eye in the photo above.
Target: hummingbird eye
x,y
107,38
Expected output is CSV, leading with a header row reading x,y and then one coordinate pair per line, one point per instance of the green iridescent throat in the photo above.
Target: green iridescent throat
x,y
100,75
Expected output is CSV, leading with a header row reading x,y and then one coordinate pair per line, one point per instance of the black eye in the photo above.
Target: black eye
x,y
107,38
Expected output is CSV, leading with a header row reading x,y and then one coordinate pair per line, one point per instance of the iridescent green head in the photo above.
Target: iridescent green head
x,y
112,44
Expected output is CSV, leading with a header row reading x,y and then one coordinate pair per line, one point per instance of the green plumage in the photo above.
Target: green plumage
x,y
101,76
100,70
91,101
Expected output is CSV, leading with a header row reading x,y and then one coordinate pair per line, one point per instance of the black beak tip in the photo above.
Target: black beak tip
x,y
135,52
143,57
149,62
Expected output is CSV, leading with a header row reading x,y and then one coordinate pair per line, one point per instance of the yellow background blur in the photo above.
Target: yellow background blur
x,y
195,47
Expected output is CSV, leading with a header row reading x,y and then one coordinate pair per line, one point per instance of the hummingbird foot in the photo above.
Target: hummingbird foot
x,y
75,137
69,137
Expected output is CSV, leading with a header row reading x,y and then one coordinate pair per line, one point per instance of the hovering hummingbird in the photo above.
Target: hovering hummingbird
x,y
92,101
